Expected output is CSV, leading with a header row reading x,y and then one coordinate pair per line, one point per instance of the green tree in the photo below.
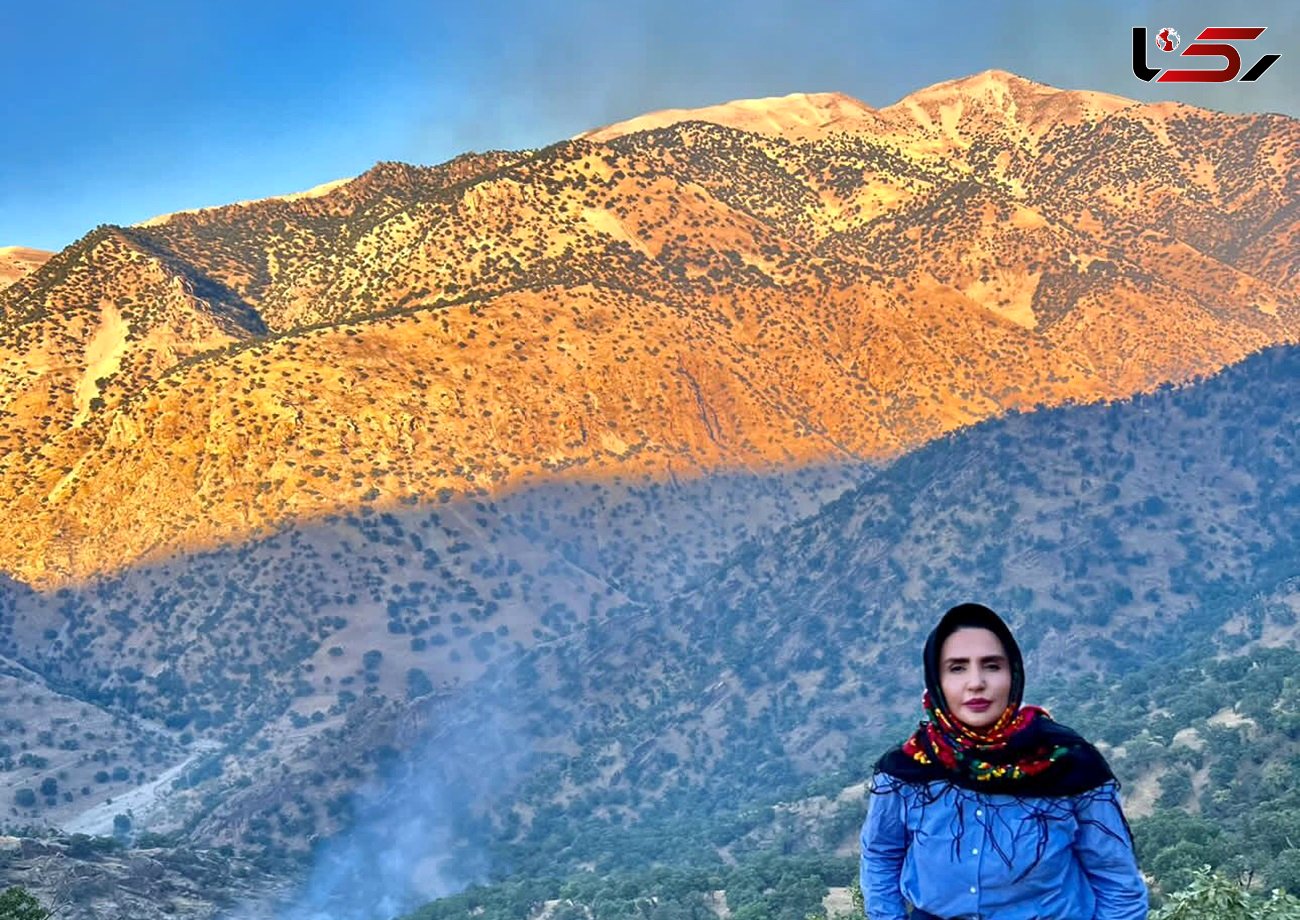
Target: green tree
x,y
1284,871
417,683
17,904
121,826
25,798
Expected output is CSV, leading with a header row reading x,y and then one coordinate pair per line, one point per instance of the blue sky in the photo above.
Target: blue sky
x,y
116,112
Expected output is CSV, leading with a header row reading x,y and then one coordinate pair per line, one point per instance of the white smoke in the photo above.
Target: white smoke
x,y
406,845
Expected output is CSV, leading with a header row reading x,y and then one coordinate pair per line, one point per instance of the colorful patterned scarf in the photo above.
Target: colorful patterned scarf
x,y
981,755
1024,753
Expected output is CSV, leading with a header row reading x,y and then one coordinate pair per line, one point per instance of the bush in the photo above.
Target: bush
x,y
417,684
1212,896
84,846
17,904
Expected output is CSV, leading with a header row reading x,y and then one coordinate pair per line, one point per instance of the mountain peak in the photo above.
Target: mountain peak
x,y
802,116
995,77
794,115
1011,93
19,261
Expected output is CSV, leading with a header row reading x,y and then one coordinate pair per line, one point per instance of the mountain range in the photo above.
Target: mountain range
x,y
645,448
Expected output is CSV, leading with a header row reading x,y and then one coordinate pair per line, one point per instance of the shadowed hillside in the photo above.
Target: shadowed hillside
x,y
1096,529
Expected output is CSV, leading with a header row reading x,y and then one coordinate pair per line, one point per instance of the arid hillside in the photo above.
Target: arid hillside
x,y
820,282
17,261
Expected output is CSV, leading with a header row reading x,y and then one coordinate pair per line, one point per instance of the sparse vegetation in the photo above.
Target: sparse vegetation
x,y
655,434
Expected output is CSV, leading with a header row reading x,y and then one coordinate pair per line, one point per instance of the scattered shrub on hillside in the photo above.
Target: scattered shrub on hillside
x,y
1213,896
18,904
25,798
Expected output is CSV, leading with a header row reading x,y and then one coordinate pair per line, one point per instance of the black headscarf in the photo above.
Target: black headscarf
x,y
1058,760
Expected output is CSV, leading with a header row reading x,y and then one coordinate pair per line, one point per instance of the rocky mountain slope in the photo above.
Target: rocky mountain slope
x,y
1119,539
292,485
695,291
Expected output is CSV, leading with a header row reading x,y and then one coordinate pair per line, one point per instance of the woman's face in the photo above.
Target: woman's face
x,y
975,676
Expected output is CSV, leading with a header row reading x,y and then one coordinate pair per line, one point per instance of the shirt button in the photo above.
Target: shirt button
x,y
972,889
975,851
979,812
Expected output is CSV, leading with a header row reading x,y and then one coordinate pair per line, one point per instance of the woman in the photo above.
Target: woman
x,y
991,810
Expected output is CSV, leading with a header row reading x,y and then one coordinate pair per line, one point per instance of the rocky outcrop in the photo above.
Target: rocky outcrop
x,y
93,878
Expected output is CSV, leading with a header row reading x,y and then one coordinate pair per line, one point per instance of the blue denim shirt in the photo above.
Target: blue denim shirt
x,y
964,854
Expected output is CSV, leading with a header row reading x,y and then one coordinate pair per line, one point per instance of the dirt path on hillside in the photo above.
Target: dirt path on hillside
x,y
147,803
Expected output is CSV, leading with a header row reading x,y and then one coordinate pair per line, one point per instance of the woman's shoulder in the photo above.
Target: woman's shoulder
x,y
1079,767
